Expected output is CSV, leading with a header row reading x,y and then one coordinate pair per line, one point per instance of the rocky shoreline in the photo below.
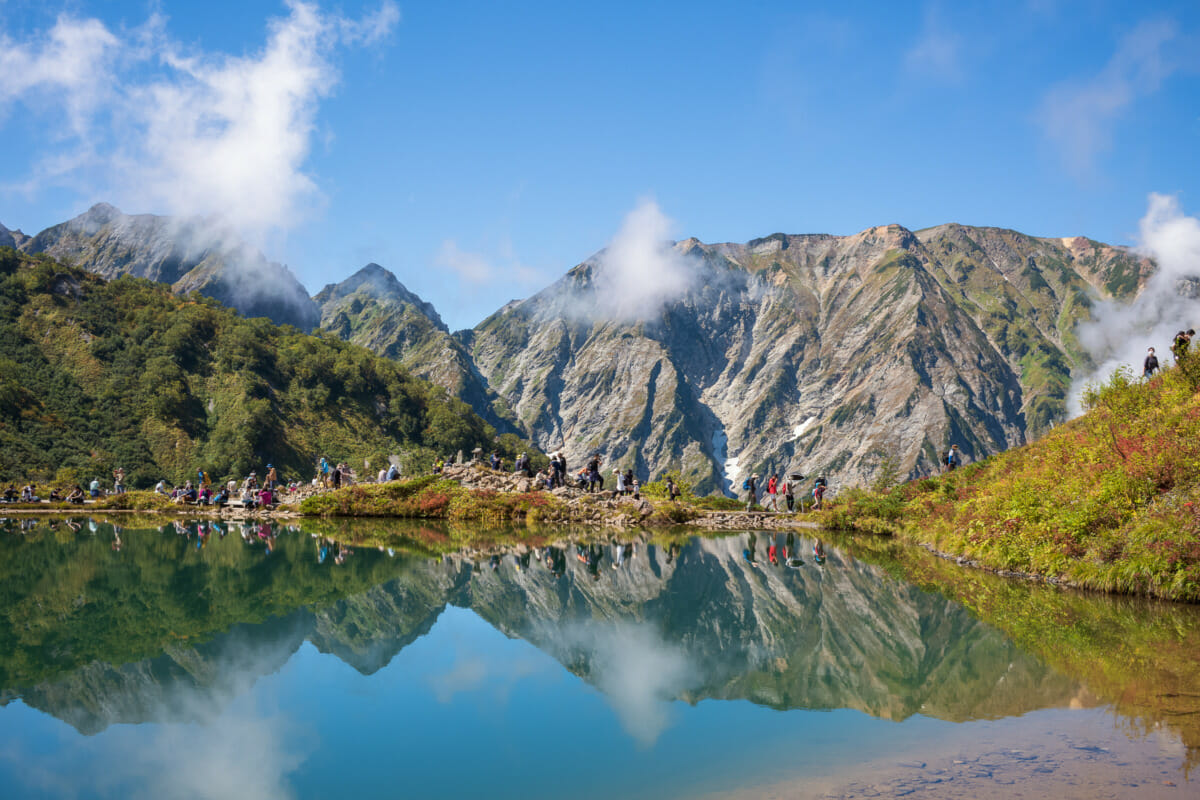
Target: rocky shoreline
x,y
567,506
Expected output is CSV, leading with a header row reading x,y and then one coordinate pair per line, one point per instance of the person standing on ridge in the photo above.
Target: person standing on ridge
x,y
1150,366
953,459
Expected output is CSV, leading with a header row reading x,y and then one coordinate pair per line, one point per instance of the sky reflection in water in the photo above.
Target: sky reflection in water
x,y
465,710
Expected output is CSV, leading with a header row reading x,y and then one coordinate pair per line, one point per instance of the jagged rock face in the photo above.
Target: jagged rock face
x,y
373,309
838,355
190,254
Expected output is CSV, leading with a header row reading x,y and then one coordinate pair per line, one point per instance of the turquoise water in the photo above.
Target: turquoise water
x,y
269,662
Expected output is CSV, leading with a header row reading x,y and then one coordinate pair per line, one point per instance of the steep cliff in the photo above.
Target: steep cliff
x,y
834,354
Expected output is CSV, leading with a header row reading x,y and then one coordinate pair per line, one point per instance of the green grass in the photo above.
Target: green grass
x,y
1109,501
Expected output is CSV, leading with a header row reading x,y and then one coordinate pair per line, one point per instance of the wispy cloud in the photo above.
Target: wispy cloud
x,y
477,272
937,53
155,125
1078,116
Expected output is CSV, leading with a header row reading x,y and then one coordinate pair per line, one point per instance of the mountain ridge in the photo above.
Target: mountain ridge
x,y
841,354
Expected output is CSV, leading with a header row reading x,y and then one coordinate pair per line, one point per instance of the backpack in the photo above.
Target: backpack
x,y
746,485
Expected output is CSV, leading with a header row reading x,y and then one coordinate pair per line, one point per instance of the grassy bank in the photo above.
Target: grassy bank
x,y
431,497
1109,501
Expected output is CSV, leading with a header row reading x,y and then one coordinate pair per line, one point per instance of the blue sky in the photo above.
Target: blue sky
x,y
481,149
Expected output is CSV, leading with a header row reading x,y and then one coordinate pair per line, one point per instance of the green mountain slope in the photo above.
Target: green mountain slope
x,y
1110,500
96,375
373,309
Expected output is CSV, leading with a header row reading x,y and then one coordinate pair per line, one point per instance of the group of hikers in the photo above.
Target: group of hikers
x,y
1179,349
782,490
589,477
250,493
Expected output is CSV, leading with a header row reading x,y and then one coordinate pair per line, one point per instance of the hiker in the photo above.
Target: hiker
x,y
1150,366
27,495
772,498
594,478
953,458
1179,348
76,495
620,490
393,473
272,478
819,487
323,470
672,490
750,486
161,487
119,480
789,491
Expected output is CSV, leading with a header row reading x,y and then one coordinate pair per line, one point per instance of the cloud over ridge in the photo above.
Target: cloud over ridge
x,y
152,124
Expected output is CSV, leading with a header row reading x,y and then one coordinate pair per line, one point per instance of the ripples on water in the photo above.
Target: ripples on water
x,y
262,661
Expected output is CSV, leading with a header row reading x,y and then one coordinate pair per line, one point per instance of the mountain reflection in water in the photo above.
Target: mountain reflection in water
x,y
101,626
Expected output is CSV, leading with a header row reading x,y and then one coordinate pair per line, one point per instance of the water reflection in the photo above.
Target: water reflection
x,y
102,625
702,620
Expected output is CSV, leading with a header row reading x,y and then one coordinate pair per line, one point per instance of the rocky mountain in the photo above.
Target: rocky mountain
x,y
191,254
373,309
842,635
11,238
855,356
845,355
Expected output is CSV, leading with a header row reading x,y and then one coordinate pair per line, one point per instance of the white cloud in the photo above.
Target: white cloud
x,y
640,271
71,66
1078,116
1120,333
937,53
160,127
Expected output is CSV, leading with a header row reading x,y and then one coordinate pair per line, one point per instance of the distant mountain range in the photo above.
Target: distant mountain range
x,y
845,355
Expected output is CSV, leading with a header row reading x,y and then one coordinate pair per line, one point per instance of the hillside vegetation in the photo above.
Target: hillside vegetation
x,y
96,375
1108,501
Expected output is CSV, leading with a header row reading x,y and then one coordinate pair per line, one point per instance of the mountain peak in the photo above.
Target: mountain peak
x,y
382,284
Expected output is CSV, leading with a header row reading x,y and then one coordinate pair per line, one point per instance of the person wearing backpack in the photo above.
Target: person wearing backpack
x,y
750,486
819,487
953,459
